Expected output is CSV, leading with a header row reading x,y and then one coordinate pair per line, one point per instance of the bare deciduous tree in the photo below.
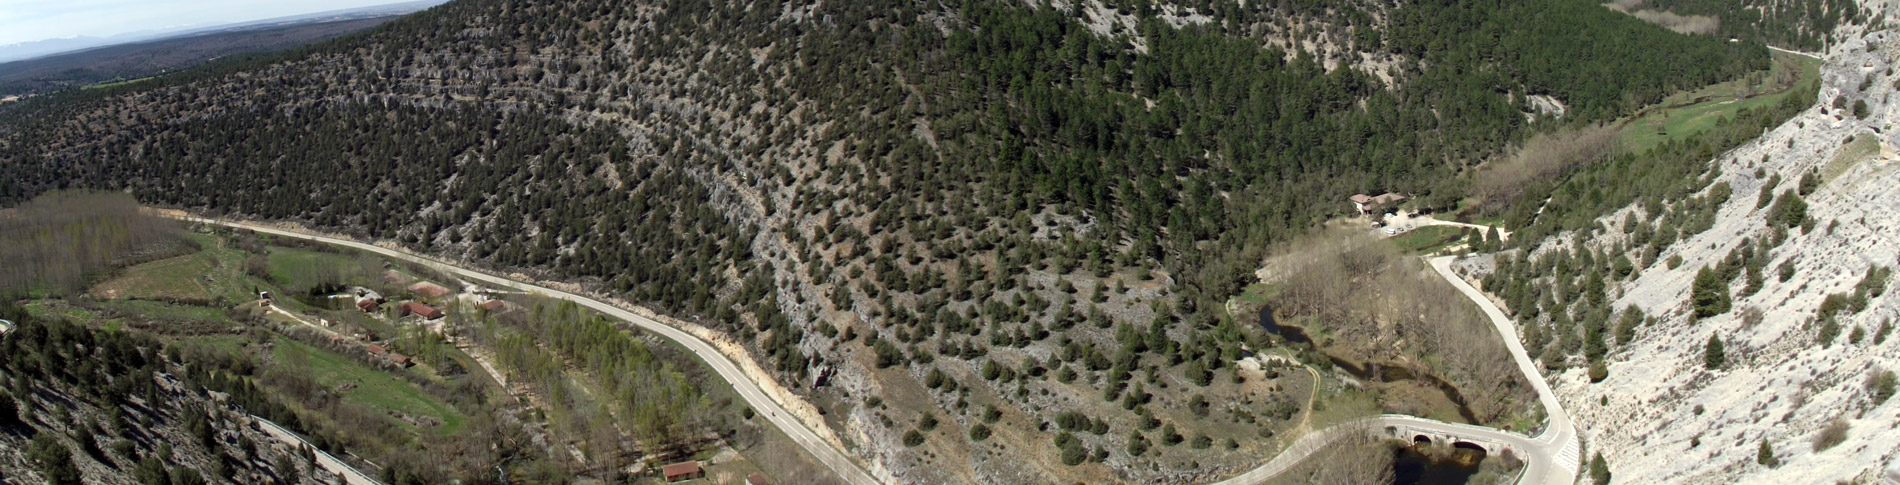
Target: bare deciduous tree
x,y
59,239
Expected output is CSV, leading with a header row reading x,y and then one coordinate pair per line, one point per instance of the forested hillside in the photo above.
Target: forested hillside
x,y
883,192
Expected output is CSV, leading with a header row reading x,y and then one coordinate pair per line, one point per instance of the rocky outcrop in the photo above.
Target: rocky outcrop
x,y
1661,416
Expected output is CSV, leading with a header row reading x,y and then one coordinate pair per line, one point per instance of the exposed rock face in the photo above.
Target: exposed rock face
x,y
1667,418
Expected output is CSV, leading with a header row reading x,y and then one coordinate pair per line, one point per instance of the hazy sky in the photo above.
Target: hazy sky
x,y
30,20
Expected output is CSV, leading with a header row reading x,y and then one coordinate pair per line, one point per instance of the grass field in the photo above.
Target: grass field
x,y
167,311
212,273
1683,116
117,83
1427,239
299,268
373,388
1256,293
175,278
228,343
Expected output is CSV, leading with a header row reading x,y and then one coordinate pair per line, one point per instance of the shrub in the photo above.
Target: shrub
x,y
1598,372
1073,455
1766,455
979,432
913,438
1830,330
1832,435
1880,384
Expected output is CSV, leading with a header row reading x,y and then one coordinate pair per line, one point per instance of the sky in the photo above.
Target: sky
x,y
31,20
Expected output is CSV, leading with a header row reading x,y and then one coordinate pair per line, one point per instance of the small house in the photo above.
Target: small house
x,y
683,471
399,359
425,311
428,290
1369,203
367,305
377,350
757,478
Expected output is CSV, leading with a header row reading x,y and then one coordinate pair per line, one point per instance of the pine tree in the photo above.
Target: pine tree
x,y
1709,294
55,461
1599,470
9,412
1766,455
1712,356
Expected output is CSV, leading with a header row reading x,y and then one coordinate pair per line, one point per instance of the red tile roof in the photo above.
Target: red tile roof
x,y
680,469
425,311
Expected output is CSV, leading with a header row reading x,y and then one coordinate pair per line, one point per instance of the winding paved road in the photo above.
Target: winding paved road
x,y
347,473
1551,458
1555,457
833,458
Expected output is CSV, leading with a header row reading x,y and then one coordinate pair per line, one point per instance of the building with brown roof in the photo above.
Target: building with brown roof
x,y
367,305
683,471
757,478
425,311
1368,203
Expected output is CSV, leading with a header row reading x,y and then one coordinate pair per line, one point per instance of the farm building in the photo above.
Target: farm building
x,y
425,311
1369,203
683,471
392,357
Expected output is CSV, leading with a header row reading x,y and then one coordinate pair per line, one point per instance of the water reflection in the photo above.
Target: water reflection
x,y
1425,464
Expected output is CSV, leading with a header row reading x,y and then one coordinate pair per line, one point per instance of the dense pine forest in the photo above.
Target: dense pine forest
x,y
888,189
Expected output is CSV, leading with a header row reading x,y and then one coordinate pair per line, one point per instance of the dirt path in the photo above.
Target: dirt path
x,y
293,317
1306,419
